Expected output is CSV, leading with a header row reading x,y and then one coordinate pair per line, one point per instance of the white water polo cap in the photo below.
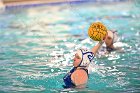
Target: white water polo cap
x,y
86,57
115,36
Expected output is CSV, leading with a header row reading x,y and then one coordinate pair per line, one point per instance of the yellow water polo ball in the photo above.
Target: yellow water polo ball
x,y
97,31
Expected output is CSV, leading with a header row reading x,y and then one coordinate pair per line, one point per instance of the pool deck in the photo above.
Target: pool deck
x,y
17,3
30,2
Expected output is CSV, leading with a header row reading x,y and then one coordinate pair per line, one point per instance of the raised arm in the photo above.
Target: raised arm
x,y
97,47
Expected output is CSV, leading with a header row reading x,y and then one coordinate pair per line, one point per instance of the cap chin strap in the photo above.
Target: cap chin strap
x,y
86,59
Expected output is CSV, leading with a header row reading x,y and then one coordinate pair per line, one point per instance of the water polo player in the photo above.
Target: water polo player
x,y
111,38
77,77
111,42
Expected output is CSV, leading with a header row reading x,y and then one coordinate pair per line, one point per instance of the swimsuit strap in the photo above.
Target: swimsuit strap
x,y
86,71
67,79
73,69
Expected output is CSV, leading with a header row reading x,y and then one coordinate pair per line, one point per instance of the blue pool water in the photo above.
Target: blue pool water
x,y
37,46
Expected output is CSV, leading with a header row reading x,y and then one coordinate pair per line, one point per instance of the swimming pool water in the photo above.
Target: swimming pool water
x,y
37,46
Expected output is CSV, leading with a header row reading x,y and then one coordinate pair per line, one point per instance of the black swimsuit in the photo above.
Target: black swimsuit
x,y
67,78
110,49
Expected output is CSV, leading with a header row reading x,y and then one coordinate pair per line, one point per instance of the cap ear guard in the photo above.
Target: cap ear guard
x,y
90,57
115,36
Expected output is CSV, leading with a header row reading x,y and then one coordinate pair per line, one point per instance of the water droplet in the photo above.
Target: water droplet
x,y
123,59
132,28
52,70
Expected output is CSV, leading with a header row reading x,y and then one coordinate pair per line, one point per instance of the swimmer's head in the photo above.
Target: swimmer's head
x,y
111,38
82,58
